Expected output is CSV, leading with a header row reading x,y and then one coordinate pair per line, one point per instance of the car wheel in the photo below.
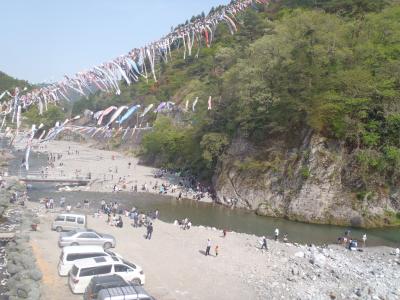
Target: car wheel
x,y
107,245
74,244
58,228
136,281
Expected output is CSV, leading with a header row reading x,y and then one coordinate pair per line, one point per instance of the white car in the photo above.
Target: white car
x,y
84,269
70,254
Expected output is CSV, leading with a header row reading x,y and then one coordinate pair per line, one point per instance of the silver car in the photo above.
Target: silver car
x,y
86,237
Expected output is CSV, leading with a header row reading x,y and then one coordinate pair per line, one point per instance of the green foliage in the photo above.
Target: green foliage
x,y
305,172
256,166
9,83
328,65
49,118
213,145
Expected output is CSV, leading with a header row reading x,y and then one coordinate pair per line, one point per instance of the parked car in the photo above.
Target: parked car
x,y
129,292
70,254
86,237
99,283
84,270
67,222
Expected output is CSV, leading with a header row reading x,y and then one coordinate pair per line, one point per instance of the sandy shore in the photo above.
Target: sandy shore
x,y
176,267
106,168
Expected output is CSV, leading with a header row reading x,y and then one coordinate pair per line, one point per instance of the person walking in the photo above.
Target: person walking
x,y
208,247
264,243
276,233
149,231
216,250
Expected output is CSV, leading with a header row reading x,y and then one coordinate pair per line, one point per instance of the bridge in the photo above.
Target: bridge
x,y
78,181
52,177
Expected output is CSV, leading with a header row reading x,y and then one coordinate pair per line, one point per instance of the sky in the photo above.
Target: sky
x,y
42,40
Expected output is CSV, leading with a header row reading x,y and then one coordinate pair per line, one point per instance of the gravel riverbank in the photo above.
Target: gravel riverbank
x,y
107,170
176,267
19,277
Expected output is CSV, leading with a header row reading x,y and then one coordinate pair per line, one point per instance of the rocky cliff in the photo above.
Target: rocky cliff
x,y
311,179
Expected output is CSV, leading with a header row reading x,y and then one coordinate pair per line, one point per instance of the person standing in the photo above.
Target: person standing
x,y
264,243
276,234
208,247
135,219
364,238
216,250
149,231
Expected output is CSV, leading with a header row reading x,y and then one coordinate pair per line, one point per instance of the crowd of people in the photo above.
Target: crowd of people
x,y
351,243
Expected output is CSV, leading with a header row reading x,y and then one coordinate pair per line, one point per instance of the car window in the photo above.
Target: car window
x,y
81,220
75,256
60,218
129,264
87,272
103,270
121,268
70,233
72,257
95,271
70,219
88,235
110,252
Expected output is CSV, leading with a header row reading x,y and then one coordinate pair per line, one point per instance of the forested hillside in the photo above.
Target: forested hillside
x,y
299,74
9,83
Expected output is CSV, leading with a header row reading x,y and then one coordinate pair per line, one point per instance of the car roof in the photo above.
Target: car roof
x,y
127,290
82,249
80,230
96,261
71,215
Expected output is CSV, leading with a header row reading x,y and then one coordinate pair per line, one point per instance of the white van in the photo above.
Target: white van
x,y
70,254
68,222
84,269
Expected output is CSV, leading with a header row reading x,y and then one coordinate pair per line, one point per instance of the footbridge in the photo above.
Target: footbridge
x,y
39,177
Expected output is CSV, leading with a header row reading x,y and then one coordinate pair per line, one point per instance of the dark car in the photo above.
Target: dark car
x,y
99,283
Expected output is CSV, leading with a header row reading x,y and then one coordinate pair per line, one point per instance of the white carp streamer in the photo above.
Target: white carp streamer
x,y
130,67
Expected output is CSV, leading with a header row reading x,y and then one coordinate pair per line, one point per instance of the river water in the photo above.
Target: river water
x,y
209,214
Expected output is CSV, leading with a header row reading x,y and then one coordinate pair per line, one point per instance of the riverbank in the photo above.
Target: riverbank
x,y
108,170
176,267
19,277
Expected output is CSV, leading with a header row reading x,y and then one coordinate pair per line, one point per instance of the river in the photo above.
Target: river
x,y
205,214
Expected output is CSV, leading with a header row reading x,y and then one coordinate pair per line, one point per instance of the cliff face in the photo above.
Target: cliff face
x,y
312,180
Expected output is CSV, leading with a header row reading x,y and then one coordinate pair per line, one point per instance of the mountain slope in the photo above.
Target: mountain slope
x,y
305,119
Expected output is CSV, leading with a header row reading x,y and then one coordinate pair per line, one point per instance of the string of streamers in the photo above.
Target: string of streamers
x,y
129,67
